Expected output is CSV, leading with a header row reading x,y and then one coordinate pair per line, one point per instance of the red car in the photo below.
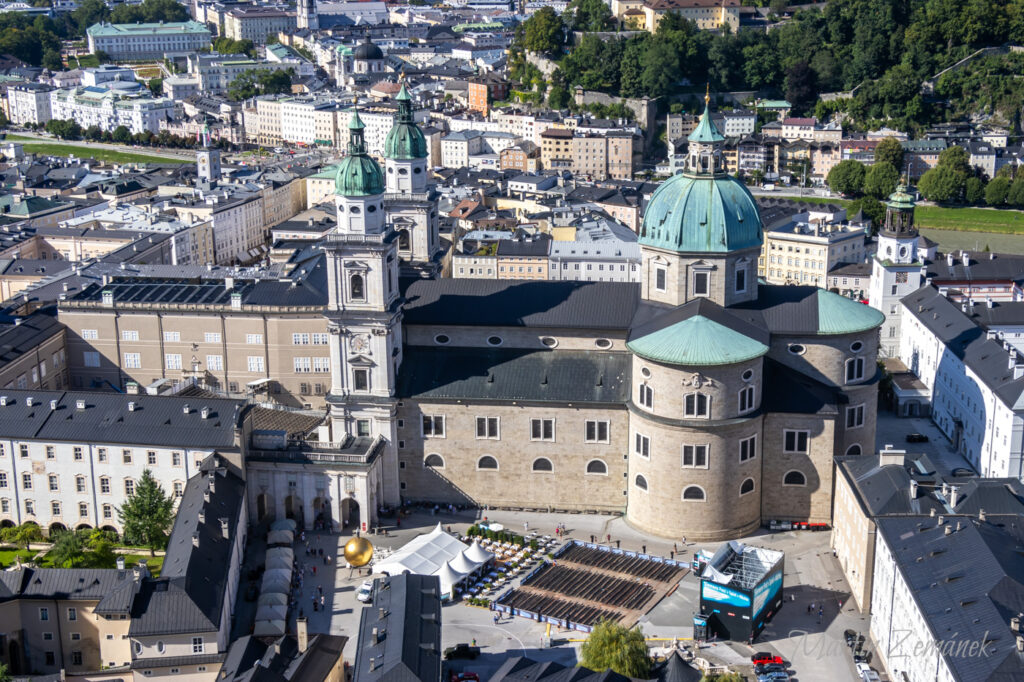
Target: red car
x,y
464,677
765,658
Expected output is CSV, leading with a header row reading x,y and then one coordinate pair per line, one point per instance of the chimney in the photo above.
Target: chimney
x,y
29,401
1012,358
185,409
1015,623
213,482
302,634
965,258
954,495
206,495
205,413
890,456
913,489
988,302
373,637
381,614
3,401
981,515
53,404
225,530
120,563
1020,643
949,259
195,539
949,530
942,520
79,404
131,406
201,516
931,512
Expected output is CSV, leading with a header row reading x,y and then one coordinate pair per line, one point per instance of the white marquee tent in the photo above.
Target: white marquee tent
x,y
430,554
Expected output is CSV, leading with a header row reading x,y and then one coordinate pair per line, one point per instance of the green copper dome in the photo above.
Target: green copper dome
x,y
358,174
840,315
702,210
697,341
901,199
702,213
405,139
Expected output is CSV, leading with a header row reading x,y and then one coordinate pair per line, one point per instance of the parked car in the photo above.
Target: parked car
x,y
765,668
765,658
465,677
365,592
917,438
773,677
461,650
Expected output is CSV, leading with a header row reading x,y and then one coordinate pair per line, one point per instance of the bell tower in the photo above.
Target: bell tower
x,y
896,269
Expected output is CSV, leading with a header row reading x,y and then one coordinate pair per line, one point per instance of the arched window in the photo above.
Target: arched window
x,y
694,492
794,478
357,287
434,461
854,370
487,462
596,466
853,449
641,482
747,486
403,240
542,464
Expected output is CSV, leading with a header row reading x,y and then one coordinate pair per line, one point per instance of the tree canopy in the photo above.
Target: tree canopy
x,y
890,151
612,646
846,177
147,514
880,180
253,82
68,550
542,32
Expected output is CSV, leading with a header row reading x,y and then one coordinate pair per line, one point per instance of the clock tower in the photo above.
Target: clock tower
x,y
364,314
896,269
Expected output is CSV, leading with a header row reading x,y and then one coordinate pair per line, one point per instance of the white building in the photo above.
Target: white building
x,y
738,122
239,229
134,42
216,72
29,103
975,381
64,465
896,268
109,109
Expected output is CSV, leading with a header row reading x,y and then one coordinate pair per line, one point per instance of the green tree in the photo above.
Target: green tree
x,y
23,535
612,646
542,32
872,208
996,190
589,15
68,550
974,190
147,514
661,69
275,82
880,180
890,151
846,177
1015,197
122,135
156,86
801,86
942,184
52,61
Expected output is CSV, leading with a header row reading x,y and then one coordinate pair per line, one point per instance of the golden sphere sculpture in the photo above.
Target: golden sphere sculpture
x,y
358,552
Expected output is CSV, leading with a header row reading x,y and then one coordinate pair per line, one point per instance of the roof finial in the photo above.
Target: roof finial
x,y
707,94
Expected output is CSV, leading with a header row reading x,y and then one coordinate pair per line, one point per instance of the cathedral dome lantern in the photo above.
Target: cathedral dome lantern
x,y
358,175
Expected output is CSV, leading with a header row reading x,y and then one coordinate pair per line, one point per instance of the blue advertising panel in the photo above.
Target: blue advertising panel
x,y
724,595
766,592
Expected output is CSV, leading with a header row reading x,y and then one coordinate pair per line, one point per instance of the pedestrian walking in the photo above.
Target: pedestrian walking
x,y
495,617
321,601
609,537
644,548
591,539
526,526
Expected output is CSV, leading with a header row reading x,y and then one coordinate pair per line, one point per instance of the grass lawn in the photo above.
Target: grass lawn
x,y
7,556
85,61
970,219
99,153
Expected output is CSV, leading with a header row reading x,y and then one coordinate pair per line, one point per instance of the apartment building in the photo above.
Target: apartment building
x,y
216,72
523,157
526,258
255,23
556,149
243,336
237,219
35,356
109,109
803,249
29,103
136,42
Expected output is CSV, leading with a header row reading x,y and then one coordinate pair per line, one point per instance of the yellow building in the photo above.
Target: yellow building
x,y
709,15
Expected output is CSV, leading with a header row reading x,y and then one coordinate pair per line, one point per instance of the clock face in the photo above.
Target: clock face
x,y
359,344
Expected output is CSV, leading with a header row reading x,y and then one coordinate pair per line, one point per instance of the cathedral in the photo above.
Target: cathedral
x,y
698,402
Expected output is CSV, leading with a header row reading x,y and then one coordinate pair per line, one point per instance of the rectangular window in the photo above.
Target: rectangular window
x,y
26,481
3,479
321,365
176,459
53,482
126,456
211,337
254,339
854,369
303,365
255,363
542,429
133,361
696,405
30,507
101,454
172,337
854,416
83,510
179,488
433,426
151,458
129,335
129,487
89,334
76,656
197,645
646,396
91,358
51,452
215,363
741,280
44,613
23,449
319,339
105,485
300,339
361,379
79,484
72,614
487,427
596,432
172,361
746,399
660,277
642,446
748,448
362,427
700,284
695,456
795,441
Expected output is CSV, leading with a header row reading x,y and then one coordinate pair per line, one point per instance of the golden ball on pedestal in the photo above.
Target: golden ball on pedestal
x,y
358,552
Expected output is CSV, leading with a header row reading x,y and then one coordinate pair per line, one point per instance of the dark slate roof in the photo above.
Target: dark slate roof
x,y
793,392
965,338
251,660
970,582
156,420
784,309
522,669
189,594
678,670
885,490
994,496
84,584
531,247
652,317
1001,313
981,266
410,648
493,303
173,661
451,373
